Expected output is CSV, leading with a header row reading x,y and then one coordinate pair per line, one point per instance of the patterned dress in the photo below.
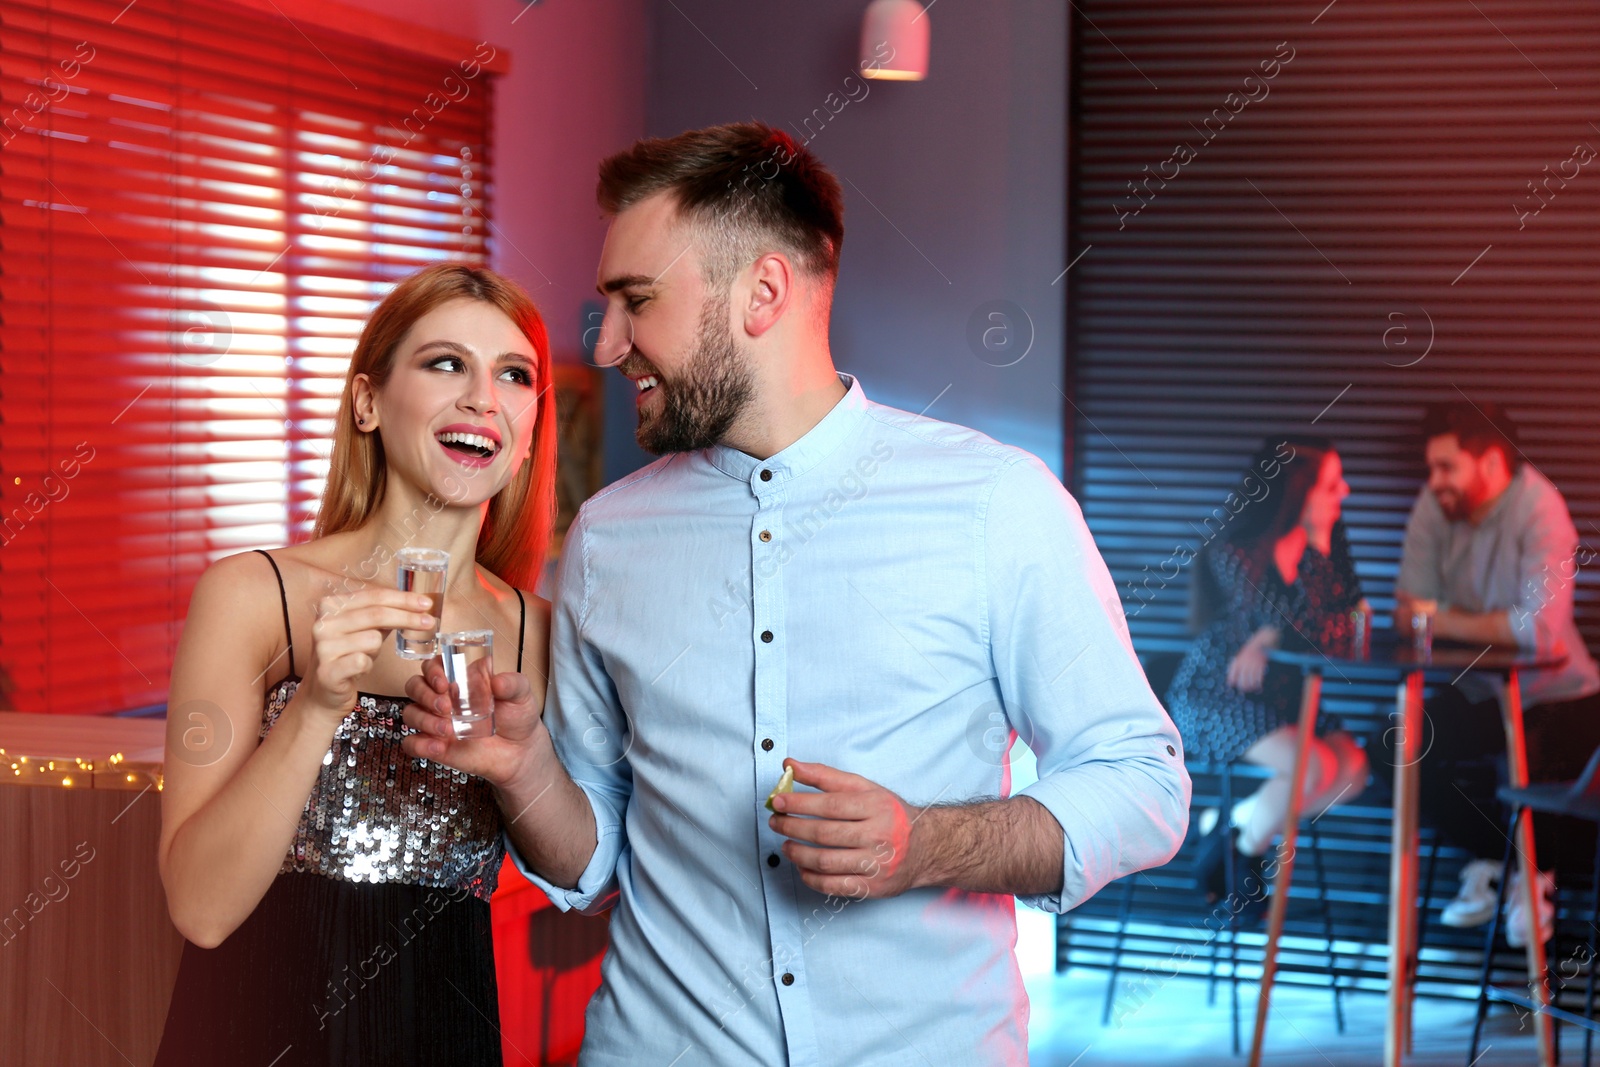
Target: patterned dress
x,y
1218,722
373,945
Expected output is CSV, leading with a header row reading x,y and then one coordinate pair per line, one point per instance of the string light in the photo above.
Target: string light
x,y
112,772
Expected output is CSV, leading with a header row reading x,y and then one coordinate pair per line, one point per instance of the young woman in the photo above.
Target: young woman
x,y
1278,575
334,891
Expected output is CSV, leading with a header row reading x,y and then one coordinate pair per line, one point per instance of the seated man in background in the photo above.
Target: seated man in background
x,y
1492,554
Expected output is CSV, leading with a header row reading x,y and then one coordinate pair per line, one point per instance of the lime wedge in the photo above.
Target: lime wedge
x,y
785,785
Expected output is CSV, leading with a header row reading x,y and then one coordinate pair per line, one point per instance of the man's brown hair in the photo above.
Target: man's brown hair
x,y
748,188
1477,427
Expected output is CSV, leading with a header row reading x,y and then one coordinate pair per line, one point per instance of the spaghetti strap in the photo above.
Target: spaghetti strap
x,y
522,627
284,597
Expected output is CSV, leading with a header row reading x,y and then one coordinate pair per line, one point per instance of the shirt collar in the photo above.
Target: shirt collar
x,y
812,447
1499,507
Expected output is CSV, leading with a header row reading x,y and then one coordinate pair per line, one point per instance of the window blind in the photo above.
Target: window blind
x,y
1316,218
199,205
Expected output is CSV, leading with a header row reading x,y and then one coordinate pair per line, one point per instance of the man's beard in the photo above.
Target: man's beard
x,y
1459,504
1452,504
701,404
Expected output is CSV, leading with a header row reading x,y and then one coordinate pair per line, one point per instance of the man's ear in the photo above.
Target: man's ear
x,y
768,293
1497,460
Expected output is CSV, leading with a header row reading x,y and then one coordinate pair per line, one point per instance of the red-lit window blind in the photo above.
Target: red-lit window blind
x,y
200,204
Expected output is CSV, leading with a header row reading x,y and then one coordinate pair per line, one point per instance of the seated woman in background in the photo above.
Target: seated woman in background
x,y
1279,575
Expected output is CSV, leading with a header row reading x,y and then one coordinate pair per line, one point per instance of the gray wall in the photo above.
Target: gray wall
x,y
954,187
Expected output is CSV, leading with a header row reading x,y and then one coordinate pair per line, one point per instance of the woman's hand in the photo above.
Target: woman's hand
x,y
1247,669
346,638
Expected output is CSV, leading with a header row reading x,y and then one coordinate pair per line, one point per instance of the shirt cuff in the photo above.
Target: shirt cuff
x,y
1075,826
597,884
1524,627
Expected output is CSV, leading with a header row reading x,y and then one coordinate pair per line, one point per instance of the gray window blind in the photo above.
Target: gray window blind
x,y
1307,218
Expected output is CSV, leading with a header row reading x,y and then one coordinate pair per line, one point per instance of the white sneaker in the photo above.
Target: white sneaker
x,y
1517,913
1243,810
1474,903
1241,815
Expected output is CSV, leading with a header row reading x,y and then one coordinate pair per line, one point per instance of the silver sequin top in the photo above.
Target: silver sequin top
x,y
378,815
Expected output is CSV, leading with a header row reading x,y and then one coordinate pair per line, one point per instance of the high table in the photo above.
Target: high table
x,y
1394,660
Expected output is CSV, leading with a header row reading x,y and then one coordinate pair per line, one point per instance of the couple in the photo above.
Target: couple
x,y
805,580
1490,553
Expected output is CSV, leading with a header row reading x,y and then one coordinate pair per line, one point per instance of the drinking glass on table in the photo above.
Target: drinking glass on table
x,y
1361,631
468,657
1422,612
422,570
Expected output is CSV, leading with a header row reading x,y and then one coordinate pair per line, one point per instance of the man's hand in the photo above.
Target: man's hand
x,y
502,759
1406,606
864,831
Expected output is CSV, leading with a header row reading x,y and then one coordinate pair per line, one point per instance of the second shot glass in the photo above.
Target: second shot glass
x,y
468,657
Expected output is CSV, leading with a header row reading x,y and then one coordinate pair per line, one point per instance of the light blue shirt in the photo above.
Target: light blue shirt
x,y
893,596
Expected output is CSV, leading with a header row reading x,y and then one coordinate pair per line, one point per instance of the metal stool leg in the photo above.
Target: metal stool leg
x,y
1594,935
1321,875
1422,903
1233,913
1489,939
1123,912
1225,811
1534,951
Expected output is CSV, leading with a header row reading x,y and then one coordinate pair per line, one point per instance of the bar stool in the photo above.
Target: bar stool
x,y
1580,799
1226,773
1429,879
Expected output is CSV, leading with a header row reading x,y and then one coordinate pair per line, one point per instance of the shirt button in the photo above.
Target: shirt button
x,y
788,979
766,636
766,476
766,535
772,860
766,744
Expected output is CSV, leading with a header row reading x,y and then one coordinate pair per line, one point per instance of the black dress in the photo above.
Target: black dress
x,y
373,945
1218,722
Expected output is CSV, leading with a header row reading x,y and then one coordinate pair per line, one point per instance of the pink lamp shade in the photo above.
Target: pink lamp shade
x,y
894,41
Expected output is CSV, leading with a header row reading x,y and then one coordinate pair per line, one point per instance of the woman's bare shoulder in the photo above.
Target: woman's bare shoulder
x,y
536,632
538,608
247,574
233,615
243,574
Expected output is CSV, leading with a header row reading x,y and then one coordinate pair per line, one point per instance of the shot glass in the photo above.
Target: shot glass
x,y
422,570
1360,632
468,657
1422,634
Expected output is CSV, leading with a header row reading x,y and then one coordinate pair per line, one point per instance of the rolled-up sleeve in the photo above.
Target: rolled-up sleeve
x,y
590,734
1547,566
1110,760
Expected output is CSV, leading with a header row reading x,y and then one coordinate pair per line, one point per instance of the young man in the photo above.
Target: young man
x,y
808,580
1491,553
